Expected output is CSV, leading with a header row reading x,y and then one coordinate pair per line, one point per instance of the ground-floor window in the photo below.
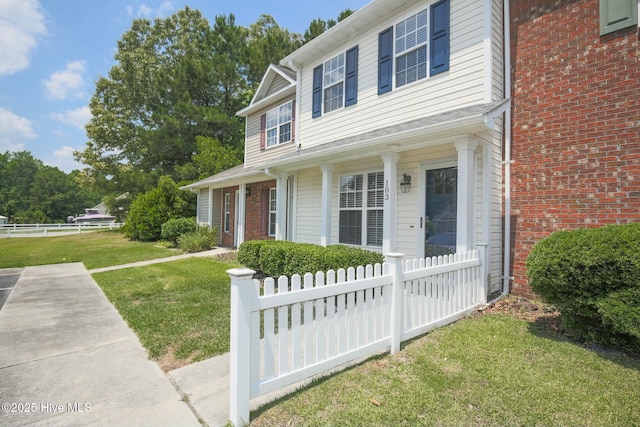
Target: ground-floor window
x,y
272,211
227,212
361,209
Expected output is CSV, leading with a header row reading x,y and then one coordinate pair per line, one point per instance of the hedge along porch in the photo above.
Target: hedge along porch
x,y
340,318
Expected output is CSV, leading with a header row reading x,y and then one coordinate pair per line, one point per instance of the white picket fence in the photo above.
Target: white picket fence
x,y
312,326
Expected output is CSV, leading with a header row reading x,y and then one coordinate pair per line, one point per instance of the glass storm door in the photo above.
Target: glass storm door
x,y
441,205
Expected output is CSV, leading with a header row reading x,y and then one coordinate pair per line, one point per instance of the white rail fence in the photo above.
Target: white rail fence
x,y
312,326
33,230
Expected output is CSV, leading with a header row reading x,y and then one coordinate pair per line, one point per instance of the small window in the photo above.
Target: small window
x,y
227,212
334,83
272,211
278,124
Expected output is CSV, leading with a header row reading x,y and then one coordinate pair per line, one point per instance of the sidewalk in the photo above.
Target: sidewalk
x,y
68,358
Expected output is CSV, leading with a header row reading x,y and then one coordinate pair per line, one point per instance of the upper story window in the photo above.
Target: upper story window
x,y
335,83
277,126
411,49
415,48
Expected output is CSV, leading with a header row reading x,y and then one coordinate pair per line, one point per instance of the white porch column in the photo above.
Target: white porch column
x,y
281,206
389,241
210,208
325,213
466,193
241,214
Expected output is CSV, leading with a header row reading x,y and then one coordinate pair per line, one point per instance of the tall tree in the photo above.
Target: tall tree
x,y
267,44
319,26
175,79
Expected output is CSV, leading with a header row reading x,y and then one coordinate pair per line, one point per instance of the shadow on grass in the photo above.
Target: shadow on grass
x,y
551,327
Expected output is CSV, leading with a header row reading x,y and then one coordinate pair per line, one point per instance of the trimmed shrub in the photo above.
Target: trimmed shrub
x,y
249,253
275,257
176,227
587,274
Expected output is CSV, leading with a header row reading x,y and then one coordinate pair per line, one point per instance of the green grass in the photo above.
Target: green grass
x,y
180,310
491,370
94,249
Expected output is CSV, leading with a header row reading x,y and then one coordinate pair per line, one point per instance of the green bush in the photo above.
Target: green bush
x,y
176,227
587,274
203,239
152,209
273,256
276,257
249,253
621,311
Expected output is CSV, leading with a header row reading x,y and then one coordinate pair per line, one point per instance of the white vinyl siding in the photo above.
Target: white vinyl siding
x,y
308,206
462,85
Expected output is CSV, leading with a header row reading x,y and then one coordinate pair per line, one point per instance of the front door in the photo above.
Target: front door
x,y
438,222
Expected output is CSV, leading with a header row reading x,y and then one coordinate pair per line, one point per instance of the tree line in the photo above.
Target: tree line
x,y
167,108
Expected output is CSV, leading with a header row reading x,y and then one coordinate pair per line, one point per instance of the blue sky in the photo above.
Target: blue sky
x,y
53,51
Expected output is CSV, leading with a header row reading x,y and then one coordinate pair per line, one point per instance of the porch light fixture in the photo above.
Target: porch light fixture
x,y
248,192
405,184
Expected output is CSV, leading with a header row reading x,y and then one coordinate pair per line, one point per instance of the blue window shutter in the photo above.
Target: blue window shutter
x,y
439,37
385,61
351,80
317,92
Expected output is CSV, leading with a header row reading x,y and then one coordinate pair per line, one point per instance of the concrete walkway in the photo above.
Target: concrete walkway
x,y
68,358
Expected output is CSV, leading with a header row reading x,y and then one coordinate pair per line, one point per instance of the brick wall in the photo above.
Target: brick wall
x,y
258,211
256,218
576,124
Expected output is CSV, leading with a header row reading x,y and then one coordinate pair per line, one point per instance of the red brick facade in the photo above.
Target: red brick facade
x,y
576,124
257,213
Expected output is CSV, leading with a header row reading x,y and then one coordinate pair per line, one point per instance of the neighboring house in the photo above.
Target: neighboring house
x,y
384,132
3,219
576,119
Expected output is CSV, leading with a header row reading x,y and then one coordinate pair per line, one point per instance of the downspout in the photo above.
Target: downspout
x,y
298,71
506,279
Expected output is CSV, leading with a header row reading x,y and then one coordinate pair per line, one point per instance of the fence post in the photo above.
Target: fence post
x,y
240,379
394,261
483,288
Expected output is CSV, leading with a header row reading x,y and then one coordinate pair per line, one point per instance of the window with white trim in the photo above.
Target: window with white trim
x,y
272,211
333,80
411,49
227,212
278,125
361,209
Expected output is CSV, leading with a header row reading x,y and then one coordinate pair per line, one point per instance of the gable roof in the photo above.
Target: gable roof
x,y
277,83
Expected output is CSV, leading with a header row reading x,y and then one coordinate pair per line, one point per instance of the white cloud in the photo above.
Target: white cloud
x,y
145,11
65,83
21,23
62,159
78,117
14,130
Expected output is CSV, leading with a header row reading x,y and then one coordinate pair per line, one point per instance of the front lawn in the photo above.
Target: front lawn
x,y
180,310
95,249
488,370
